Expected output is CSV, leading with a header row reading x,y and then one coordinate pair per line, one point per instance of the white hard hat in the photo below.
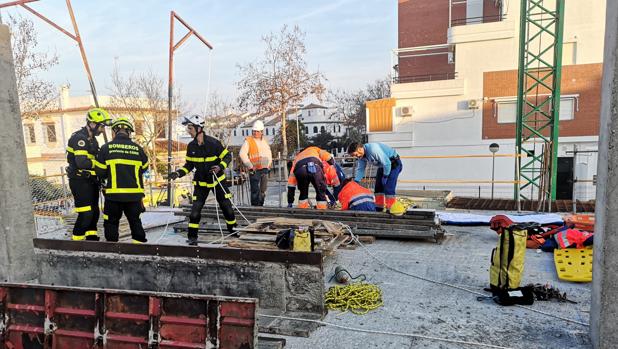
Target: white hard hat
x,y
194,119
258,126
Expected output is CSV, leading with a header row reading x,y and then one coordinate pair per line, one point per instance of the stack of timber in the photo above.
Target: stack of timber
x,y
415,224
262,234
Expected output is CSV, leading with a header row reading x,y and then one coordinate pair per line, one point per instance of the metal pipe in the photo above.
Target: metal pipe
x,y
170,95
14,3
493,167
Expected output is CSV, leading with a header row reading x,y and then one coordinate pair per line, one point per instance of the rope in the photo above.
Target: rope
x,y
359,298
233,204
214,178
450,285
401,334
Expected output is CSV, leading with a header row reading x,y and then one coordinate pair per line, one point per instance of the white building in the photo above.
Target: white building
x,y
455,94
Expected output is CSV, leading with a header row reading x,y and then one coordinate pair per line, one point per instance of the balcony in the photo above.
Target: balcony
x,y
423,63
466,12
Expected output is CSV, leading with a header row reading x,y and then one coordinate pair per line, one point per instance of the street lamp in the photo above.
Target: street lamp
x,y
493,148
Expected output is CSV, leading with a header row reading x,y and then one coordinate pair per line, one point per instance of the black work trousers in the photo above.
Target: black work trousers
x,y
223,196
86,195
112,212
304,178
259,183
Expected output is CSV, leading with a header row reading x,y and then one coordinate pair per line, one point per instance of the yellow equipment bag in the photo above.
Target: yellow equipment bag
x,y
302,241
507,259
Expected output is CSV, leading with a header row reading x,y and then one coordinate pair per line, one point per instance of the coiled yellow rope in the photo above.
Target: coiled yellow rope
x,y
359,298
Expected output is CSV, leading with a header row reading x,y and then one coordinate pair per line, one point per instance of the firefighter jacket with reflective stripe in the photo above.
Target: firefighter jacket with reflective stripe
x,y
122,162
202,158
81,154
255,153
318,155
354,194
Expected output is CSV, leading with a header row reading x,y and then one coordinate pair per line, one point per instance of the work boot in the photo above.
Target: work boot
x,y
92,238
232,231
192,241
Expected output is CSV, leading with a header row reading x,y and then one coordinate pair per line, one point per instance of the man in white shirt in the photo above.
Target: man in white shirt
x,y
255,154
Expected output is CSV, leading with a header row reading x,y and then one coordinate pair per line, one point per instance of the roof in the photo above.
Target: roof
x,y
314,106
108,108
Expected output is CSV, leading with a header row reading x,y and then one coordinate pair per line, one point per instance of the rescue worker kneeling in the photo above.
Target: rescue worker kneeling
x,y
307,169
81,156
122,162
355,197
209,158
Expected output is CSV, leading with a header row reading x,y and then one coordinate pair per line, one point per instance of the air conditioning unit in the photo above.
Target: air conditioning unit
x,y
473,104
405,111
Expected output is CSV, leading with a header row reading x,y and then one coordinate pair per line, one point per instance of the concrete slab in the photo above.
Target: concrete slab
x,y
417,306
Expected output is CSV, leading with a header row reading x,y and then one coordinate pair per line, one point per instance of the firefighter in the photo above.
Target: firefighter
x,y
307,168
209,158
389,168
82,150
256,156
355,197
121,163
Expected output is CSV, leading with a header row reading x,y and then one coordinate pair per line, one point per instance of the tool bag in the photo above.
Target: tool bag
x,y
507,266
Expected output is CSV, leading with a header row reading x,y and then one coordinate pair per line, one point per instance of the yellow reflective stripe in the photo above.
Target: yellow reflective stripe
x,y
137,169
83,153
223,153
184,170
137,163
70,150
124,191
78,237
89,171
188,158
210,158
194,197
83,209
228,195
194,225
91,232
99,165
224,164
145,166
105,217
112,165
137,242
230,222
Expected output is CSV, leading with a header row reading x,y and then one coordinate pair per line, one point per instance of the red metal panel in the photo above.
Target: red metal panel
x,y
45,317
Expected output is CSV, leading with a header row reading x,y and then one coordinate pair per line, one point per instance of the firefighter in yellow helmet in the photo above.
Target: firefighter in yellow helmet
x,y
82,150
122,163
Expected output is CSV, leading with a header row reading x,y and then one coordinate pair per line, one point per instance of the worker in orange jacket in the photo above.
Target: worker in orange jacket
x,y
355,197
308,168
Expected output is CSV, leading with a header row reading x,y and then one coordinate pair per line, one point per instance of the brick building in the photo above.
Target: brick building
x,y
454,92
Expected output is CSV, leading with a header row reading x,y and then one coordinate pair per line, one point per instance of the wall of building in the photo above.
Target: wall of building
x,y
441,123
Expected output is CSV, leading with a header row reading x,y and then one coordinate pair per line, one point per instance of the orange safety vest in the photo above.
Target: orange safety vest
x,y
254,154
354,194
309,152
570,237
330,174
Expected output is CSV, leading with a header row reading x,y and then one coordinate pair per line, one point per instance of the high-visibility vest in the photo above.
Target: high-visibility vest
x,y
309,152
354,194
259,162
571,237
330,174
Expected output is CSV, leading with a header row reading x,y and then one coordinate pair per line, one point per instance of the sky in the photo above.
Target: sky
x,y
349,41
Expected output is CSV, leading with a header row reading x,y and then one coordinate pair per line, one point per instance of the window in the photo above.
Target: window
x,y
306,129
308,112
567,108
234,133
139,127
315,129
322,129
267,131
50,130
507,112
30,135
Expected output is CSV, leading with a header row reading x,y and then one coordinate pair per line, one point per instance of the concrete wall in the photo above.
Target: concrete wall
x,y
16,218
604,307
279,287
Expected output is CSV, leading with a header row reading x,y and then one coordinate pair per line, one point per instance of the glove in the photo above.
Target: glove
x,y
384,180
173,176
290,205
142,207
215,169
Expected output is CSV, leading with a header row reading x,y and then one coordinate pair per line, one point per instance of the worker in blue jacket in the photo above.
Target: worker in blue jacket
x,y
389,168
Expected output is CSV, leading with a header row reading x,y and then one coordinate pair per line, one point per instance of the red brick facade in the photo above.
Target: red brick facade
x,y
583,80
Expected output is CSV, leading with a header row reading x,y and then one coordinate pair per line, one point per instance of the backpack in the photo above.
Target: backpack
x,y
507,266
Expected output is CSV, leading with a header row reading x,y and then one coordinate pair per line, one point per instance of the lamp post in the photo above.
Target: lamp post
x,y
493,148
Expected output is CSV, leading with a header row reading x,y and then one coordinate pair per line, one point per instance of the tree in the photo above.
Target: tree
x,y
324,140
143,99
351,104
35,94
280,80
291,141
